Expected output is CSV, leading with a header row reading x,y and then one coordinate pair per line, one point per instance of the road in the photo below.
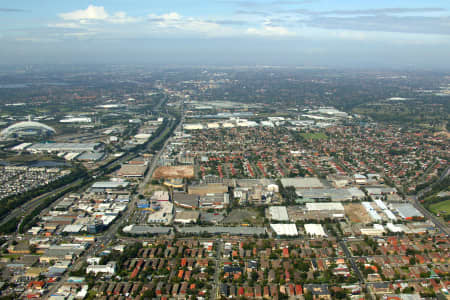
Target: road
x,y
215,291
155,161
35,202
110,234
444,175
352,261
442,227
415,201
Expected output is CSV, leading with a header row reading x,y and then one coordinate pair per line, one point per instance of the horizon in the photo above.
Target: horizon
x,y
404,34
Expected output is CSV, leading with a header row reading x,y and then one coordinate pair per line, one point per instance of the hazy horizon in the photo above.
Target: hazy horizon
x,y
404,34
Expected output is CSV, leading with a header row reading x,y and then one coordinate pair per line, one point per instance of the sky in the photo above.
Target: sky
x,y
330,33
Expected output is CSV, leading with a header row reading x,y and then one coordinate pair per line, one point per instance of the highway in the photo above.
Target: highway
x,y
415,201
442,227
35,202
110,234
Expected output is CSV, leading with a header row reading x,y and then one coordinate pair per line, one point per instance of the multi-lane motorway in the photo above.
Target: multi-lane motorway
x,y
110,234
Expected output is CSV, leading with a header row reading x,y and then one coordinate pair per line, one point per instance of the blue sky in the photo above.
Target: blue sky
x,y
395,33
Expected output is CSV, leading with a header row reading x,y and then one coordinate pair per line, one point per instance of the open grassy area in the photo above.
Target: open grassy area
x,y
149,189
244,216
441,207
314,136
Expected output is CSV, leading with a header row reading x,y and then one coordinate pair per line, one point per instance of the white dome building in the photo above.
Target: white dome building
x,y
26,128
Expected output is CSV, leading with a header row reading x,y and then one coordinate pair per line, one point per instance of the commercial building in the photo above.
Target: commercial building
x,y
91,156
109,185
377,230
214,201
334,194
108,269
223,230
145,229
256,191
314,230
186,217
380,191
204,189
186,200
278,213
62,252
161,209
300,183
142,137
371,211
284,229
76,120
194,126
407,211
325,206
133,170
64,147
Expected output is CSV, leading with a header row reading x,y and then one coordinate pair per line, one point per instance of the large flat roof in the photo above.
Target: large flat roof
x,y
110,184
223,230
187,215
285,229
91,156
332,194
325,206
183,199
64,146
406,211
145,229
278,213
314,229
302,182
132,170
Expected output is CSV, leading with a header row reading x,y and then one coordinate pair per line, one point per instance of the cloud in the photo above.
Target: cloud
x,y
260,20
64,25
250,4
165,20
228,22
269,30
122,18
176,23
251,12
90,13
365,12
97,13
394,10
384,23
363,37
80,35
2,9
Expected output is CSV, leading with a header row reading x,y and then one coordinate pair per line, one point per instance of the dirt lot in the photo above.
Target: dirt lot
x,y
149,189
243,216
357,213
174,172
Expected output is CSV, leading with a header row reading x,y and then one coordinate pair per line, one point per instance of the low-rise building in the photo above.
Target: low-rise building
x,y
186,217
108,269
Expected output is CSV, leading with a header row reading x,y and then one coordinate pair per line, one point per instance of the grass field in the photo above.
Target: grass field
x,y
439,208
244,216
314,136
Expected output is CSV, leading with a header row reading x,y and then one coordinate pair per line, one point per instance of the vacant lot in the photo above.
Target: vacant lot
x,y
357,213
174,172
441,208
243,216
